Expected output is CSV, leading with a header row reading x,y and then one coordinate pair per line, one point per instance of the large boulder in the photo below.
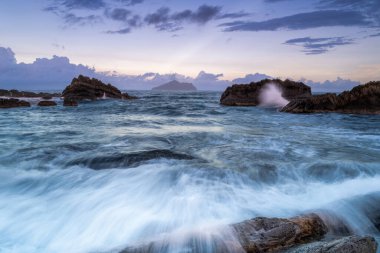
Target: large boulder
x,y
11,103
249,94
85,88
362,99
274,234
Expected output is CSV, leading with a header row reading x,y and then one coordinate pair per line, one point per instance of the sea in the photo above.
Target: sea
x,y
174,170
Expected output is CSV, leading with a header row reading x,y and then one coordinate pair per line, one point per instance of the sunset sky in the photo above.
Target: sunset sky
x,y
317,40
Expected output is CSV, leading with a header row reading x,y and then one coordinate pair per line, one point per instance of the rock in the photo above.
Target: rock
x,y
273,234
176,86
70,102
47,103
127,160
362,99
349,244
85,88
27,94
47,97
11,103
248,94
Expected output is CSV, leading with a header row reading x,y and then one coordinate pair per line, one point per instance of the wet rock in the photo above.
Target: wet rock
x,y
85,88
128,160
47,103
362,99
26,94
350,244
273,234
70,102
248,94
11,103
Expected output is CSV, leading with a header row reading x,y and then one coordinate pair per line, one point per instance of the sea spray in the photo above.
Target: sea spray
x,y
271,96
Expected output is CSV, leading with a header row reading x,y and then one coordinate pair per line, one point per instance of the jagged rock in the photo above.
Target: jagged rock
x,y
11,103
249,94
349,244
70,102
273,234
85,88
362,99
47,103
26,94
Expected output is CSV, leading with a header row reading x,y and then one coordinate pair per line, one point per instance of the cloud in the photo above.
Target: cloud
x,y
164,20
118,14
251,78
79,4
337,85
72,19
315,19
374,35
319,45
57,72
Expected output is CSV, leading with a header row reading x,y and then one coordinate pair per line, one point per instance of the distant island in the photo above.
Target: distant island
x,y
176,86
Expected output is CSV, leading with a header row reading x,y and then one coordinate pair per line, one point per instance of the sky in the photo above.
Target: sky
x,y
137,44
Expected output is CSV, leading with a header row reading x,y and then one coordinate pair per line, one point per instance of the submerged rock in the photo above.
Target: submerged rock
x,y
349,244
126,96
70,102
249,94
11,103
128,160
47,103
362,99
273,234
85,88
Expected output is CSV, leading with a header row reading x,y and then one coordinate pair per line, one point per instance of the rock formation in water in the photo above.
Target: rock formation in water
x,y
12,102
69,102
26,94
47,103
249,94
176,86
85,88
362,99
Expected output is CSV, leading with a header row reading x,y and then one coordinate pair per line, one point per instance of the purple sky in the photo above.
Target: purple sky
x,y
211,43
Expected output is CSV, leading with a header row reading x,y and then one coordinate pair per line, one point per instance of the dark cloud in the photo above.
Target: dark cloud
x,y
118,14
319,45
130,2
324,18
374,35
164,20
72,19
233,15
80,4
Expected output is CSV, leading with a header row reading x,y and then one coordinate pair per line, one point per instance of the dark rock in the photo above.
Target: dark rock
x,y
47,103
272,234
349,244
26,94
176,86
362,99
248,94
47,97
11,103
85,88
128,160
70,102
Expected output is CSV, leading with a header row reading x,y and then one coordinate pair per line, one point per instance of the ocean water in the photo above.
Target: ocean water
x,y
176,169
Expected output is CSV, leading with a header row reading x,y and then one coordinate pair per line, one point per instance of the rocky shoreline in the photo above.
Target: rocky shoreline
x,y
81,88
